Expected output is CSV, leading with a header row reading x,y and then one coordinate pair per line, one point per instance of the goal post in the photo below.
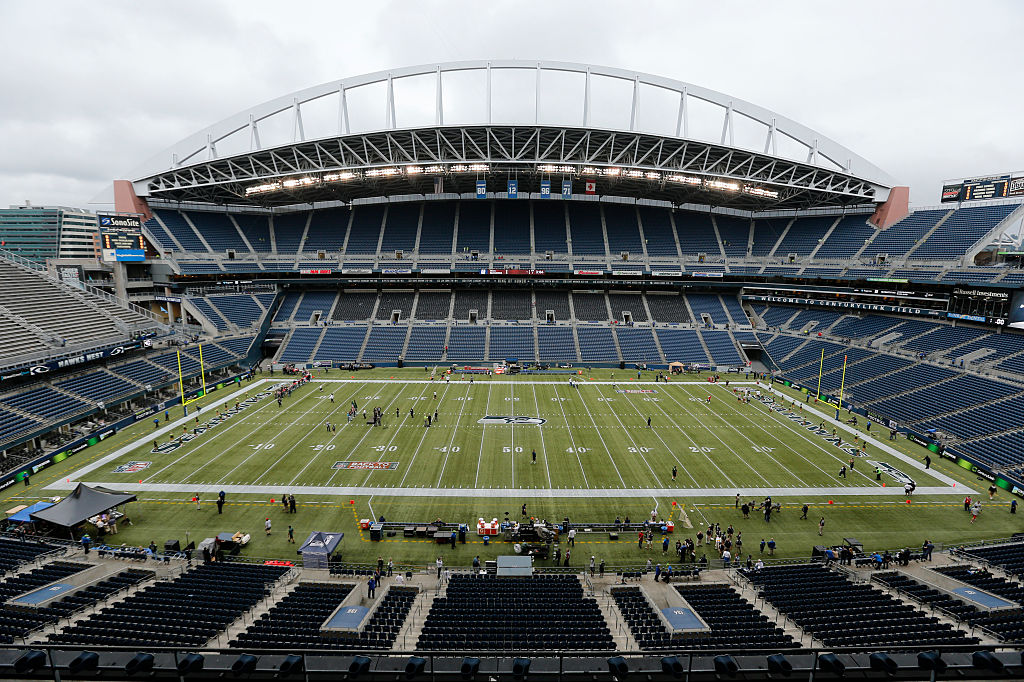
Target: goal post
x,y
842,383
181,379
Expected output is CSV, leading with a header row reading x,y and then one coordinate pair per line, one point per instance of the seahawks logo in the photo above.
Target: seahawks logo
x,y
511,421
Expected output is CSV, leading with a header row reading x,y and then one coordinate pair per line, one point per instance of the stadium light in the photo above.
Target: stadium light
x,y
552,168
244,665
760,192
299,182
685,179
339,177
417,170
30,662
260,189
470,168
382,172
724,185
86,662
141,663
984,660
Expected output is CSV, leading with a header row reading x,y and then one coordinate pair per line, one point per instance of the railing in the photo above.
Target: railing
x,y
85,286
806,664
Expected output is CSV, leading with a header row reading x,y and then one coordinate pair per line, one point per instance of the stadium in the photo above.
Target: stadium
x,y
348,390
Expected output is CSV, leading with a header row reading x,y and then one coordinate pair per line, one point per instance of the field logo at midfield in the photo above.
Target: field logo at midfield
x,y
131,467
381,466
489,419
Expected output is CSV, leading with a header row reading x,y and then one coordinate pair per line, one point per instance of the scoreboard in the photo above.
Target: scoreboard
x,y
121,238
986,189
978,189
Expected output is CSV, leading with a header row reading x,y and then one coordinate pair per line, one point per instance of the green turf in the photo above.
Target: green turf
x,y
594,439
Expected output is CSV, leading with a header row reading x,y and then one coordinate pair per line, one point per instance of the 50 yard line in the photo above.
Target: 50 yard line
x,y
540,429
512,429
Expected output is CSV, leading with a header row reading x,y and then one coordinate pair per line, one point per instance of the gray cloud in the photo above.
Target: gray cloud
x,y
922,89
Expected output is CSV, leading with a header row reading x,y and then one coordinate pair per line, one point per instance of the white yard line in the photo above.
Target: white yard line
x,y
384,452
286,452
543,383
121,452
603,444
419,445
572,439
761,453
483,433
188,452
798,430
654,430
636,446
715,436
540,430
512,435
693,443
877,443
353,449
316,456
455,429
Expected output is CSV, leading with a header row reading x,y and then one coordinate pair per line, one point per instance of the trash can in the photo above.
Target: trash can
x,y
487,540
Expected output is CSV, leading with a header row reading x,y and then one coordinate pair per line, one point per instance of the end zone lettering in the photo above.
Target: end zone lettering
x,y
376,466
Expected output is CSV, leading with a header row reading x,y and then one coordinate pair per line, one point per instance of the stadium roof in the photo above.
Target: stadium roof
x,y
441,128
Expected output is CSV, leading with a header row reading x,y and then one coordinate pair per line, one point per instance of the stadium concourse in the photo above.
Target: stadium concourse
x,y
519,398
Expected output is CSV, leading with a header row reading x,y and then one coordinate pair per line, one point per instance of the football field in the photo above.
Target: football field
x,y
597,459
589,438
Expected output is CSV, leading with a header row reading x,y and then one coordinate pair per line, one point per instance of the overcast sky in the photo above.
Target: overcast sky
x,y
926,90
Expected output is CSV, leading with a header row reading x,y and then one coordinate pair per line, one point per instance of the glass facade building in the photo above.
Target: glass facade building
x,y
38,233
